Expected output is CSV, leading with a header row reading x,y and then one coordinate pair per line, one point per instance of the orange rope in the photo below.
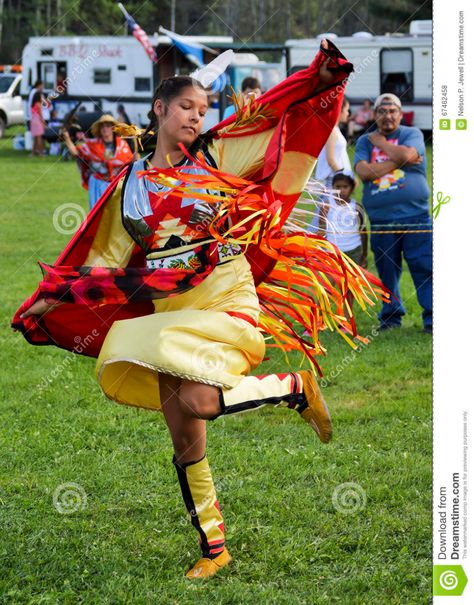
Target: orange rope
x,y
365,231
369,232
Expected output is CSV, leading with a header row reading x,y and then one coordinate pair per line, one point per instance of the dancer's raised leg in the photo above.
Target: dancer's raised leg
x,y
294,390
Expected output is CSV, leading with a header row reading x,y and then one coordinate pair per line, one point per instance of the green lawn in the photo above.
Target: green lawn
x,y
131,542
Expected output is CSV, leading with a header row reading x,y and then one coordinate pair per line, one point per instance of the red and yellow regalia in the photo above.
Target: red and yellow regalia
x,y
183,271
94,159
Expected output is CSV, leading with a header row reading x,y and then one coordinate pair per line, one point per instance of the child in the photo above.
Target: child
x,y
342,220
38,124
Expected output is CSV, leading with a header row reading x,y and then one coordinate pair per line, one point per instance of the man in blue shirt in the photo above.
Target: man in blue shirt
x,y
392,164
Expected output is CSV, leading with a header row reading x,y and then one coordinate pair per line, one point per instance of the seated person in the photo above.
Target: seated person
x,y
361,120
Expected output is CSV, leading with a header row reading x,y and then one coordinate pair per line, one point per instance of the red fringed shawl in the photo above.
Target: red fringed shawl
x,y
301,279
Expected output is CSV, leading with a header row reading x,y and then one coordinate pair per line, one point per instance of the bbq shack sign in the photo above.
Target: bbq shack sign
x,y
82,51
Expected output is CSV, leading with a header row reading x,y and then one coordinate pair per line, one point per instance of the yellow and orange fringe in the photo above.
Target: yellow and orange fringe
x,y
310,283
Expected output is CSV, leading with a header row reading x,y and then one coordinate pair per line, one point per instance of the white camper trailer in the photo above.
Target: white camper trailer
x,y
100,71
397,63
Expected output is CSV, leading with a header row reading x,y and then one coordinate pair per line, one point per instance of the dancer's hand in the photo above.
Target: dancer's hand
x,y
324,74
40,307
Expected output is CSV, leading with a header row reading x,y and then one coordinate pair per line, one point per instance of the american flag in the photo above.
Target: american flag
x,y
139,34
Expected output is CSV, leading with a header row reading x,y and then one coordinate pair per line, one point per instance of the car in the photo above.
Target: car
x,y
11,105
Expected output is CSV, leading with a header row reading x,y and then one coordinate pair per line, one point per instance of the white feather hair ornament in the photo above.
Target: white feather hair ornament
x,y
213,74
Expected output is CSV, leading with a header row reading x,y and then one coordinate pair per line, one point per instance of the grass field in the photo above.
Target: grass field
x,y
298,534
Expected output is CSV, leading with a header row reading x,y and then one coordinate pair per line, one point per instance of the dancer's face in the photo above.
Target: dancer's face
x,y
181,121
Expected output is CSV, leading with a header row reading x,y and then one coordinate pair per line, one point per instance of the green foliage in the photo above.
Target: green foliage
x,y
131,542
245,20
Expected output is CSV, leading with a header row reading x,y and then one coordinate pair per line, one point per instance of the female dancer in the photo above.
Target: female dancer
x,y
189,355
101,158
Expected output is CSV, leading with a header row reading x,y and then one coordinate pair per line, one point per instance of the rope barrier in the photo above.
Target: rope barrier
x,y
382,231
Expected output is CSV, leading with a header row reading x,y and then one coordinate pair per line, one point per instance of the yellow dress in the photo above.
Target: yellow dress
x,y
190,335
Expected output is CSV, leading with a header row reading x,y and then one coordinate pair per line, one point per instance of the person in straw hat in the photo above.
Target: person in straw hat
x,y
100,158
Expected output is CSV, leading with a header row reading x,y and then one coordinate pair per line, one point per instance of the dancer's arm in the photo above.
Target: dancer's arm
x,y
243,153
112,247
40,307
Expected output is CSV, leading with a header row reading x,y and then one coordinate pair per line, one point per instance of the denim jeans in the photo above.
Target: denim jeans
x,y
417,250
96,189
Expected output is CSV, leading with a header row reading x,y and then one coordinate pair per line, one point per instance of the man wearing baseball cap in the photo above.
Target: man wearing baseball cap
x,y
392,164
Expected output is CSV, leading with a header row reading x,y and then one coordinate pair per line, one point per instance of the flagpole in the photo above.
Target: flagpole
x,y
173,15
124,13
122,8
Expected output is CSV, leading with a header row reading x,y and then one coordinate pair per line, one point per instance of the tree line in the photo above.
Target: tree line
x,y
248,21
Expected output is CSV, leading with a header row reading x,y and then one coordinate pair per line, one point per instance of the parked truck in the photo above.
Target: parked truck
x,y
11,106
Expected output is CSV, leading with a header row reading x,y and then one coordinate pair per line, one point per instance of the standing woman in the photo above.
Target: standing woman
x,y
38,123
101,158
158,240
332,159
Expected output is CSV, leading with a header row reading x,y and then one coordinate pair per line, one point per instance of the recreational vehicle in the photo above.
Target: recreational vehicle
x,y
102,72
396,63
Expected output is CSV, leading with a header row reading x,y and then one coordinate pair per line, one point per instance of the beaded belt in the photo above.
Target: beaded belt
x,y
190,260
227,252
